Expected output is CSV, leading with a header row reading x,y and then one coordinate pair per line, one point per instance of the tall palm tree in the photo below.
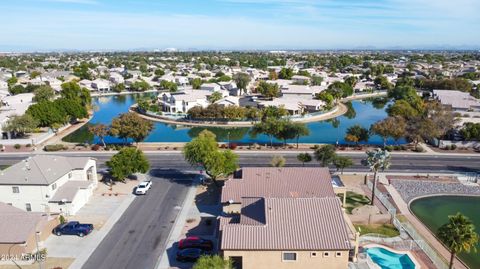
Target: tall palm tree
x,y
459,235
377,160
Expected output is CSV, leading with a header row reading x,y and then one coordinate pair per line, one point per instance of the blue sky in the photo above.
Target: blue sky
x,y
237,24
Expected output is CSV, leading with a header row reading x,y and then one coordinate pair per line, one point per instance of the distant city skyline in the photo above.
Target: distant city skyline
x,y
103,25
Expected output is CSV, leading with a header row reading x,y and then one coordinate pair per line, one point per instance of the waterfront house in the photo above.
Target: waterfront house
x,y
457,100
49,183
181,102
284,218
101,85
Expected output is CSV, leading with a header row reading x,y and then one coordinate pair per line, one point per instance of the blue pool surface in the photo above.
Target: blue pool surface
x,y
390,260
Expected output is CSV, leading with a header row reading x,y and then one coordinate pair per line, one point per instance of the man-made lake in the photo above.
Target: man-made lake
x,y
106,108
434,212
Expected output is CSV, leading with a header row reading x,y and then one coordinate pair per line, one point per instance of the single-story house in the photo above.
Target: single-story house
x,y
457,100
22,231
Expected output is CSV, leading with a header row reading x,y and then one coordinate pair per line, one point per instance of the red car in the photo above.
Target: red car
x,y
195,242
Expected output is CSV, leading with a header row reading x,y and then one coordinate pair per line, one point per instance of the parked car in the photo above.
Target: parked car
x,y
143,187
73,228
195,242
190,254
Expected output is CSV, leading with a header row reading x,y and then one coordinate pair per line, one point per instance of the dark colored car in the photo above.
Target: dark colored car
x,y
190,254
195,242
73,228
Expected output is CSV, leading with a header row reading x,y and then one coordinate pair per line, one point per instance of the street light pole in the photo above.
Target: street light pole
x,y
228,139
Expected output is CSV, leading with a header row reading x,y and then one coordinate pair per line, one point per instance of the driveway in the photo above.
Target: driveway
x,y
139,237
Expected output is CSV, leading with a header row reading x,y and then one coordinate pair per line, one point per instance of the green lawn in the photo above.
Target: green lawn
x,y
354,200
384,229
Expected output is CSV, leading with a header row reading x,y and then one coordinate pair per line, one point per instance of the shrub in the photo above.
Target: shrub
x,y
403,147
232,146
62,219
389,148
453,146
96,147
397,147
55,147
28,145
17,146
418,149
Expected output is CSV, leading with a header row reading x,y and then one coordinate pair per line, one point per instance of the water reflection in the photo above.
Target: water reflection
x,y
332,131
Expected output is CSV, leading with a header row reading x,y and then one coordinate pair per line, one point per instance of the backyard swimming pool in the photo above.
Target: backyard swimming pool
x,y
387,259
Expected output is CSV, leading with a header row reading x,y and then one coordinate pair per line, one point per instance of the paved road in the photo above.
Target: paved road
x,y
400,163
138,238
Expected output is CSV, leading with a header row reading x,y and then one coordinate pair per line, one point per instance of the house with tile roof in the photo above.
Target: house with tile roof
x,y
49,183
20,231
284,218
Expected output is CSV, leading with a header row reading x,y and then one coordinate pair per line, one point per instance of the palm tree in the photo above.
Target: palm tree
x,y
377,159
459,235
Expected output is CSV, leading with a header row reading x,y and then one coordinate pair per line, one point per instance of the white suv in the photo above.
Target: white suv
x,y
143,187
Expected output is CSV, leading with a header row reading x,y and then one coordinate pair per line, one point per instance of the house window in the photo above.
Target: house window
x,y
338,254
289,256
28,207
313,254
326,254
54,186
16,189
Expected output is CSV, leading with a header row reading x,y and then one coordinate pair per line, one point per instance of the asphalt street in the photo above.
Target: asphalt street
x,y
139,237
421,163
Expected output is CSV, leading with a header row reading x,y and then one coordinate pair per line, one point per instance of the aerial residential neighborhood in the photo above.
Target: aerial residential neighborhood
x,y
235,134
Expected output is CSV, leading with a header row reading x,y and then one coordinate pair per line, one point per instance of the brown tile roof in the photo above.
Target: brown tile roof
x,y
291,224
295,182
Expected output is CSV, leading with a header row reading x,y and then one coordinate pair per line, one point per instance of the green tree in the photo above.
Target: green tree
x,y
215,96
71,90
43,93
304,158
242,80
269,90
286,73
278,161
71,108
458,235
470,131
316,80
126,162
377,160
270,126
389,127
130,125
159,72
47,114
342,162
100,130
299,129
197,83
19,125
351,81
356,134
203,151
120,87
382,83
212,262
140,86
325,154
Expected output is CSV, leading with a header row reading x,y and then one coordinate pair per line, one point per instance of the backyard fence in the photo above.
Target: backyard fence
x,y
434,256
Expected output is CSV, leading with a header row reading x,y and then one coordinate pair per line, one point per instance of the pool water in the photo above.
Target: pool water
x,y
390,260
108,107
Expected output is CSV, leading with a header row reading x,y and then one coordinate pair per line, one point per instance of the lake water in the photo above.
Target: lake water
x,y
106,108
434,212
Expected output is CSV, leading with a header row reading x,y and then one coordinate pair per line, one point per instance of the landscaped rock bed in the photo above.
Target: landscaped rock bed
x,y
410,189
